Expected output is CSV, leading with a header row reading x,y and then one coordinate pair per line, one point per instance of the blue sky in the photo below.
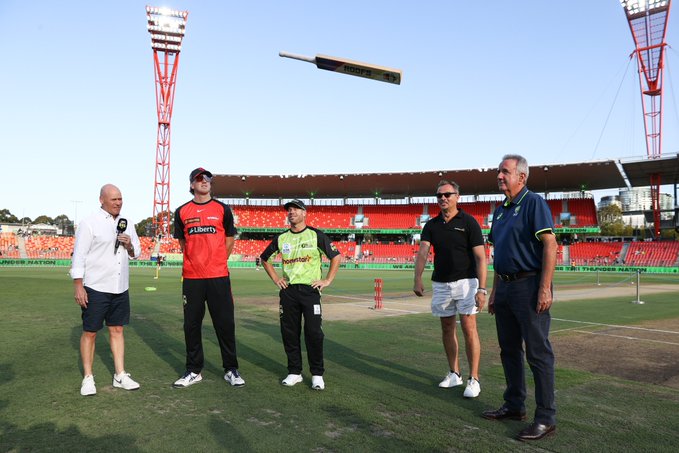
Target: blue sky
x,y
480,79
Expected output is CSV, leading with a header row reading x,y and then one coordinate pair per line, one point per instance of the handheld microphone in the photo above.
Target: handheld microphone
x,y
122,226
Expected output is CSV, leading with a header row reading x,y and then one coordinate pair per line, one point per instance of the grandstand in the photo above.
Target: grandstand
x,y
377,218
386,234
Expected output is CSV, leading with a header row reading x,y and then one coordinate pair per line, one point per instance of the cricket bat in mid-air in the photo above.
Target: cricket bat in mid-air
x,y
355,68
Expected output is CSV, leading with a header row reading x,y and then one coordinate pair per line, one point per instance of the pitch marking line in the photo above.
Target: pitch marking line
x,y
611,325
628,337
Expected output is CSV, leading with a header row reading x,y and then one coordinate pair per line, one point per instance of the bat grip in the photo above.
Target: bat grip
x,y
297,57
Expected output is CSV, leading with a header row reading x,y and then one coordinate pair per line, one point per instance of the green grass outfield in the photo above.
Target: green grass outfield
x,y
381,378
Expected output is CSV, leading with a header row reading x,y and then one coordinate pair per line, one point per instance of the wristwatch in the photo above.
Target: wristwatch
x,y
482,290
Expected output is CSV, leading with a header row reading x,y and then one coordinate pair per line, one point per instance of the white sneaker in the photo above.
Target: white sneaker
x,y
124,381
188,379
292,379
234,378
317,383
473,388
87,387
452,379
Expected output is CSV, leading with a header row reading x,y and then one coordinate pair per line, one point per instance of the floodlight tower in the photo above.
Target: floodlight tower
x,y
648,22
167,28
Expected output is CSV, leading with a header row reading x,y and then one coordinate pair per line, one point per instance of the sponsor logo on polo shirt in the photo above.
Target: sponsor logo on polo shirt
x,y
300,259
202,230
192,220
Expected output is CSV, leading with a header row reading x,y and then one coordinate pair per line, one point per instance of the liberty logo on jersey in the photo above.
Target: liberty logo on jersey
x,y
202,230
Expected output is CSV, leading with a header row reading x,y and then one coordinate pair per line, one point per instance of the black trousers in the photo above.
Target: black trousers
x,y
517,323
297,301
217,293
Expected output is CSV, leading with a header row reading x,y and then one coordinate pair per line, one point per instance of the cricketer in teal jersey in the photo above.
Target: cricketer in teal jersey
x,y
301,248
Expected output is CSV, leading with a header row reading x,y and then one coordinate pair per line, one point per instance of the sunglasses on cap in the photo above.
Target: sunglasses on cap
x,y
201,178
440,195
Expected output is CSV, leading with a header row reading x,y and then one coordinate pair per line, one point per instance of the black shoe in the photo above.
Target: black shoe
x,y
504,414
536,431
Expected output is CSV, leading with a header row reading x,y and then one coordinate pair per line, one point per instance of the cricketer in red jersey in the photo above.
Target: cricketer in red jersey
x,y
205,230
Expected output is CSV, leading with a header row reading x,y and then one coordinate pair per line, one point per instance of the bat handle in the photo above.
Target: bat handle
x,y
297,57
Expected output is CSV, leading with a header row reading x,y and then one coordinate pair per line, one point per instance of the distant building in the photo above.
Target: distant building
x,y
609,200
637,200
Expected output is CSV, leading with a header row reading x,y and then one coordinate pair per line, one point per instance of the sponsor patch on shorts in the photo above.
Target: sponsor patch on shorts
x,y
317,309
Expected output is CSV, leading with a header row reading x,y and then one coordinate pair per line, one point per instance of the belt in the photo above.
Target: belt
x,y
517,276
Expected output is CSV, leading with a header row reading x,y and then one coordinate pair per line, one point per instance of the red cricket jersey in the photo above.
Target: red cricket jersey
x,y
204,227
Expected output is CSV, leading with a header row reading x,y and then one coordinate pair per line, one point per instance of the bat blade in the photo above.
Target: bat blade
x,y
358,69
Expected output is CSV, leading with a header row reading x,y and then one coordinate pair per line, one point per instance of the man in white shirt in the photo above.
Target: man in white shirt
x,y
104,243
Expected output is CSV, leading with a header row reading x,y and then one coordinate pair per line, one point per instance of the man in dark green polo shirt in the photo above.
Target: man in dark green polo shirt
x,y
301,248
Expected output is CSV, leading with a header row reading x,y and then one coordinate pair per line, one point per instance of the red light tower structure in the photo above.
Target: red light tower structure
x,y
648,22
167,28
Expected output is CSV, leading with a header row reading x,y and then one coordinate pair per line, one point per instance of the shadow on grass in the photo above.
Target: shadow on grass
x,y
165,346
47,436
371,365
228,437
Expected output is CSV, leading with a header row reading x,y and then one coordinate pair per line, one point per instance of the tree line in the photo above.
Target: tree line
x,y
143,228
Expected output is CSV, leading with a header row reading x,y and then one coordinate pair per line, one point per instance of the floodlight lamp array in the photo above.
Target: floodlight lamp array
x,y
633,7
167,28
166,12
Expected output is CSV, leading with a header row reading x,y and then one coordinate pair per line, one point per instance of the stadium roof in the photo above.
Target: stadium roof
x,y
595,175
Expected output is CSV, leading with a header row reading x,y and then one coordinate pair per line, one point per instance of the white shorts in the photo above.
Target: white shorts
x,y
452,298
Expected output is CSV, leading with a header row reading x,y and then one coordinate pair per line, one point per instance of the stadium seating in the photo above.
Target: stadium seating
x,y
54,247
480,210
392,216
347,249
595,253
249,249
584,211
331,216
259,216
659,253
398,253
556,206
9,248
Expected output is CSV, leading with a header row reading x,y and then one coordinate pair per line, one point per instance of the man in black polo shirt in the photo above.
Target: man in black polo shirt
x,y
459,267
524,262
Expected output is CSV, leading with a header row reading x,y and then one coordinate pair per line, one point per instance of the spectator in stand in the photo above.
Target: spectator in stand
x,y
458,281
205,230
101,281
525,259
